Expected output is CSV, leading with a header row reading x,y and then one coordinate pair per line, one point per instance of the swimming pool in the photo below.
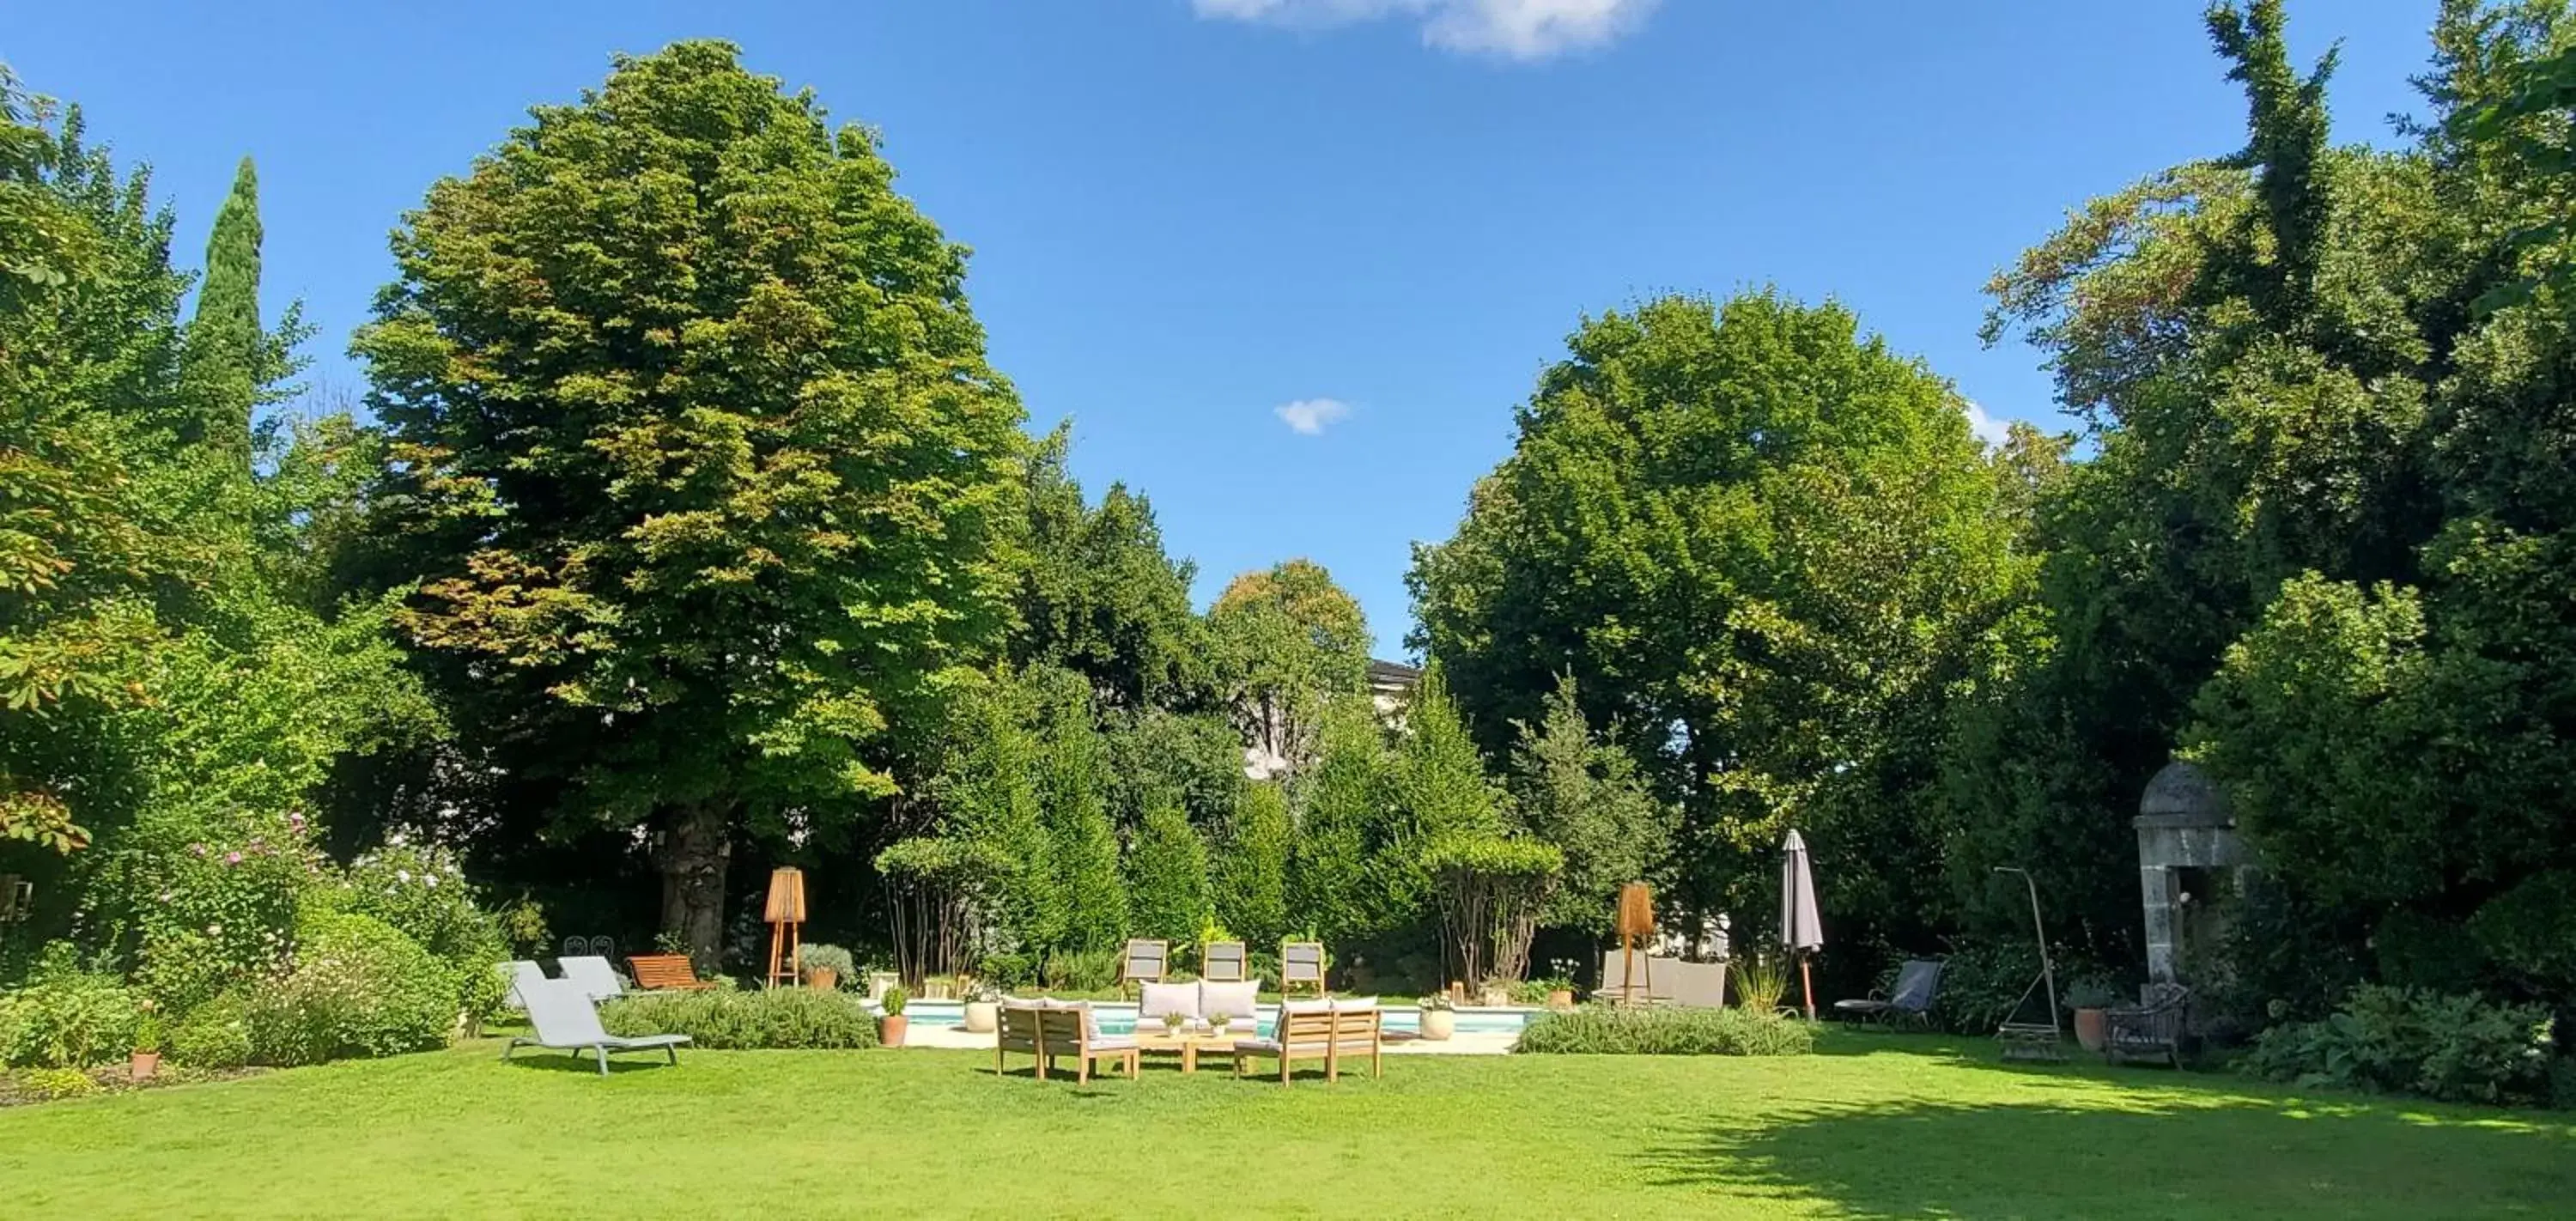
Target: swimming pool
x,y
1119,1017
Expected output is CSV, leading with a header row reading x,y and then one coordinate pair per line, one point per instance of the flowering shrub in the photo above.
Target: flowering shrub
x,y
421,892
356,987
214,912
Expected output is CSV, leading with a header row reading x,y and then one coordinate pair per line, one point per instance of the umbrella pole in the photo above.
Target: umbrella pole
x,y
1807,987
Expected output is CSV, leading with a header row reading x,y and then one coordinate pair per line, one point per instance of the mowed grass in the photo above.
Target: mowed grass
x,y
1874,1126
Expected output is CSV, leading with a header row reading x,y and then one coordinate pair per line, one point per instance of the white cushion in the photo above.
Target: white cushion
x,y
1305,1006
1356,1004
1229,1000
1161,999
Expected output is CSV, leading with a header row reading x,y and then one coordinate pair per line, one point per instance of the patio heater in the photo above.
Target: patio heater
x,y
786,916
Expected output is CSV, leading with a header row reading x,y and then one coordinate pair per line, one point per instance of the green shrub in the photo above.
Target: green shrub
x,y
67,1017
1981,983
213,1035
357,987
50,1084
1009,971
1082,970
771,1019
1596,1030
817,956
422,894
1760,982
2457,1048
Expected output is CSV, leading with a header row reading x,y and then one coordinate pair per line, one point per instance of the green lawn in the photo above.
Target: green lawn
x,y
1874,1126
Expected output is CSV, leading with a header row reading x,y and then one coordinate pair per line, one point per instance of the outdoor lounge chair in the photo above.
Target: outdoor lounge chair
x,y
1301,964
592,974
1656,976
1325,1030
1146,961
564,1021
1047,1030
521,974
1917,983
2151,1031
1222,961
666,973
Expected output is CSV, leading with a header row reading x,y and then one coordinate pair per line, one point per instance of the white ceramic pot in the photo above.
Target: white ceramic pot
x,y
983,1017
1439,1024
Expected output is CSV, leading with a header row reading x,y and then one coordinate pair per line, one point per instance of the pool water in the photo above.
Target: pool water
x,y
1119,1017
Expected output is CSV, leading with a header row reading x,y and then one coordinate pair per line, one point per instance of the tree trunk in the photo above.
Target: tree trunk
x,y
696,852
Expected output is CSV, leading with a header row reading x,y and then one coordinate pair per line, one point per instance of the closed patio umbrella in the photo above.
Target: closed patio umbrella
x,y
1800,930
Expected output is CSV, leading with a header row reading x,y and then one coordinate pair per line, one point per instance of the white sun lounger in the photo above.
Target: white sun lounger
x,y
564,1021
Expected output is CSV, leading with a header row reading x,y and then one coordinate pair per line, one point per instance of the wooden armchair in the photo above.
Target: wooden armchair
x,y
1320,1030
2150,1031
1049,1031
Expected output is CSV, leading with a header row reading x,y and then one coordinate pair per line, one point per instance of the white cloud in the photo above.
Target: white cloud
x,y
1513,29
1989,428
1310,417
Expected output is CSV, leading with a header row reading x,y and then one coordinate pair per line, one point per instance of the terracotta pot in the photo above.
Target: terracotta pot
x,y
1560,998
144,1066
1439,1024
891,1031
1496,998
2089,1027
983,1017
823,979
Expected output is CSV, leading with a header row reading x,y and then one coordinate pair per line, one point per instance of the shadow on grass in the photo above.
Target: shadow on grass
x,y
2162,1151
557,1062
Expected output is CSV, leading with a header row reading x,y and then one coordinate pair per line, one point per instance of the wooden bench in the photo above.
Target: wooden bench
x,y
666,973
1050,1031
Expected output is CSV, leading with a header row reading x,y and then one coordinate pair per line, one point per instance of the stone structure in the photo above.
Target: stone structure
x,y
2191,866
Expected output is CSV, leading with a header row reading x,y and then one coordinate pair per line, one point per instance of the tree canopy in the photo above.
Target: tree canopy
x,y
695,452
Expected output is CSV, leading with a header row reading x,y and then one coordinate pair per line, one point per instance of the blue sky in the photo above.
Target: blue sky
x,y
1287,264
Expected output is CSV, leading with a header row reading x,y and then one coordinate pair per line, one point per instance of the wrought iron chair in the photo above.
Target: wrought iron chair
x,y
2152,1030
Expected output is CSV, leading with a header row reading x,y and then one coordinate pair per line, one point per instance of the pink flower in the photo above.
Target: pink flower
x,y
232,858
199,849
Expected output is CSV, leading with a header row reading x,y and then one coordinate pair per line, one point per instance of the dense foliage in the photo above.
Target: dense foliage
x,y
2455,1048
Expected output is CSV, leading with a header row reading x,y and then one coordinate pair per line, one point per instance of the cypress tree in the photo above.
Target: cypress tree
x,y
226,348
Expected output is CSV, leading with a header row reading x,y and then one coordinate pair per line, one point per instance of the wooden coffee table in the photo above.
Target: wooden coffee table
x,y
1189,1043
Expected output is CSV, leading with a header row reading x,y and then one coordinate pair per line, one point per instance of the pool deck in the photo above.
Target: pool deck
x,y
1464,1043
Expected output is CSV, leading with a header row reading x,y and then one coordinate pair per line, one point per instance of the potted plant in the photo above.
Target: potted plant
x,y
892,1028
826,966
2091,998
1172,1023
1439,1017
983,1008
1497,992
1217,1022
146,1062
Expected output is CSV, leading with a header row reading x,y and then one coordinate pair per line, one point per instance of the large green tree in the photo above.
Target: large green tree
x,y
695,450
2288,384
1767,543
1098,594
232,364
1287,641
